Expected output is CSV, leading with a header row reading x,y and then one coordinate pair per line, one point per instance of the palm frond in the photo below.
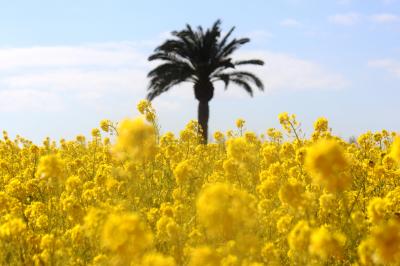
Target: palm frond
x,y
224,78
232,46
244,85
225,39
240,75
249,62
200,56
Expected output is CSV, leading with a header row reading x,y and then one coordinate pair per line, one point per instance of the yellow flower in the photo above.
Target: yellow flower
x,y
95,132
100,260
299,236
240,123
328,164
142,106
288,122
326,244
270,254
376,210
219,136
378,137
283,224
251,201
202,256
105,125
145,108
15,227
126,234
51,167
136,139
328,202
396,149
268,186
167,229
157,259
238,148
73,183
80,138
366,252
283,117
321,125
386,240
291,193
224,210
230,260
47,241
151,117
184,172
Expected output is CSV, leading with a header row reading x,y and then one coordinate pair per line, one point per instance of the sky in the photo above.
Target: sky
x,y
66,65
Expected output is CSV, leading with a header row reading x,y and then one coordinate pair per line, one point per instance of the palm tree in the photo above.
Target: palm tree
x,y
202,58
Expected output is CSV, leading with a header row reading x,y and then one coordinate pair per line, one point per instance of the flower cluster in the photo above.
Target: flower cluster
x,y
130,196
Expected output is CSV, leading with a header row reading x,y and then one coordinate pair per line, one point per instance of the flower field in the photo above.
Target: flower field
x,y
130,196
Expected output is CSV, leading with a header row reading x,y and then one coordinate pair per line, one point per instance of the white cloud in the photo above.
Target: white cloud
x,y
38,78
29,100
78,79
105,54
290,22
259,35
84,72
385,18
346,19
390,65
283,72
166,104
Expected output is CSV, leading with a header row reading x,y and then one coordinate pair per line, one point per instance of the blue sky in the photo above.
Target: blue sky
x,y
65,65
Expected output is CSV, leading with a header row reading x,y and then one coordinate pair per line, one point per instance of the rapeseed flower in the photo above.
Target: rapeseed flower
x,y
131,196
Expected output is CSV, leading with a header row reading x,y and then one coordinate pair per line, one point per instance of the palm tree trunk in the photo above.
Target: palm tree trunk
x,y
203,114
